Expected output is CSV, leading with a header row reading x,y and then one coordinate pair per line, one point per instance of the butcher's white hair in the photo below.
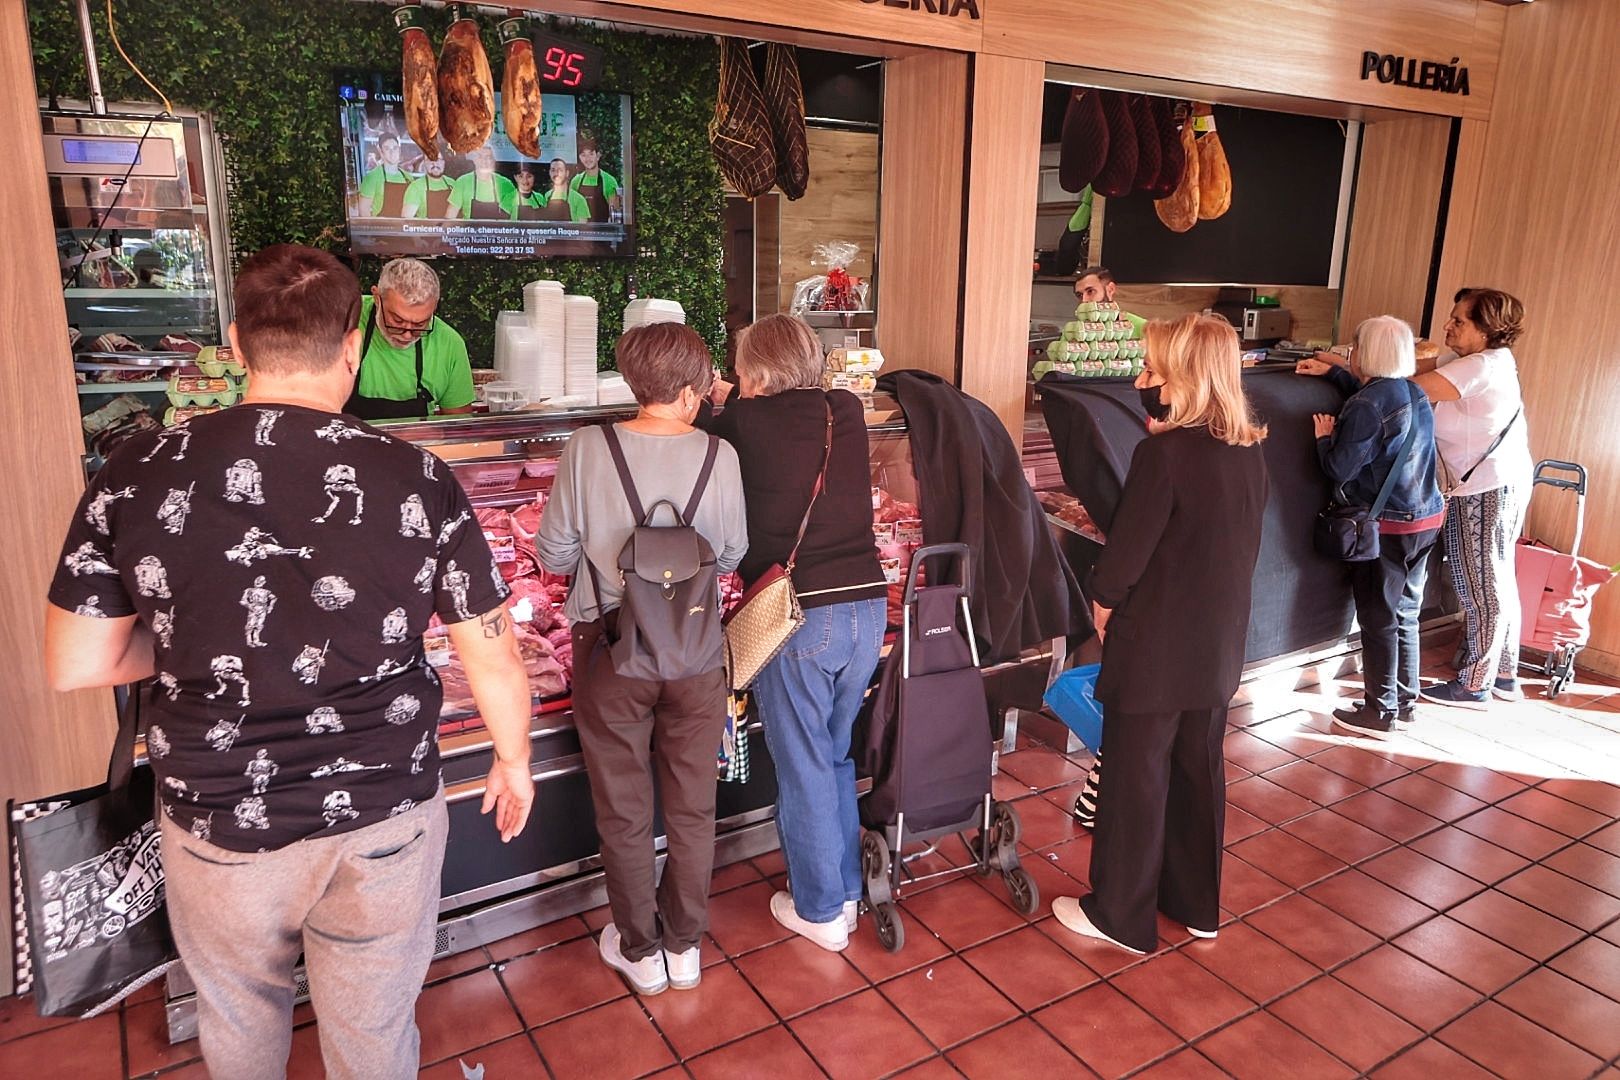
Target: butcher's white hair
x,y
1384,348
412,280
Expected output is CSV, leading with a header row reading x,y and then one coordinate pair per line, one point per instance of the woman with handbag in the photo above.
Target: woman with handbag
x,y
807,477
1176,577
621,712
1379,453
1482,435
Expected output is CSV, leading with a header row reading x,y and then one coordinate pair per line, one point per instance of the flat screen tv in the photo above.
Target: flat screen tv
x,y
578,199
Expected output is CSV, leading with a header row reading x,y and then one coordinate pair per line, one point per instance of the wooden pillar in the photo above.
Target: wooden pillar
x,y
921,211
1003,173
52,742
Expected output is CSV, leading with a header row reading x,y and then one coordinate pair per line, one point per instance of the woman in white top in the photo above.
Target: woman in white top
x,y
1482,435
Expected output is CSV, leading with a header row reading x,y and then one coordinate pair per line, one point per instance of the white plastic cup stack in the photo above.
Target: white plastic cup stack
x,y
525,361
646,311
543,304
579,348
503,325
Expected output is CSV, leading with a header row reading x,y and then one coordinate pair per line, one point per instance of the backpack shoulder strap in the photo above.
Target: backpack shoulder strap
x,y
626,481
702,480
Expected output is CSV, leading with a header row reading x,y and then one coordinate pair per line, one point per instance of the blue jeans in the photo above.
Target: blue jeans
x,y
808,698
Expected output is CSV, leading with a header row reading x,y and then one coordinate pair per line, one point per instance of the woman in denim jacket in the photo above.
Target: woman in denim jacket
x,y
1357,450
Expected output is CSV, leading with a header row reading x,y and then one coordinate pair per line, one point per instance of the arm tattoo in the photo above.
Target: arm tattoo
x,y
494,623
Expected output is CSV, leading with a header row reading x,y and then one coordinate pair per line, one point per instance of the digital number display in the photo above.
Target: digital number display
x,y
101,151
567,65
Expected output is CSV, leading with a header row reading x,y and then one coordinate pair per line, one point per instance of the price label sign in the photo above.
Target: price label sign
x,y
566,65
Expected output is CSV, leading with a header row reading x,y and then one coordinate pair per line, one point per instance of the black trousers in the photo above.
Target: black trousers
x,y
1161,822
1389,600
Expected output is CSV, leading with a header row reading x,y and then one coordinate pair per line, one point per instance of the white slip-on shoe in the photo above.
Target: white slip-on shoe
x,y
1073,917
685,969
646,976
1205,935
852,914
832,935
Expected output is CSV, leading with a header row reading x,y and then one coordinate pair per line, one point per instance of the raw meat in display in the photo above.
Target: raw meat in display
x,y
1084,147
1179,209
740,133
1214,175
1118,176
421,83
466,87
520,89
1171,157
784,103
1148,152
178,343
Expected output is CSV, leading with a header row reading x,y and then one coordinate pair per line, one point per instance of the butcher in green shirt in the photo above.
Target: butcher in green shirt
x,y
483,193
429,194
1096,285
412,363
599,189
382,190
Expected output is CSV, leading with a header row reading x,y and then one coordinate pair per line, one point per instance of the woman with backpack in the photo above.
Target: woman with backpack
x,y
641,514
807,473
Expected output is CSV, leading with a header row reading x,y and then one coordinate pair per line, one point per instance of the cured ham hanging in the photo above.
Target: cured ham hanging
x,y
466,86
520,89
420,75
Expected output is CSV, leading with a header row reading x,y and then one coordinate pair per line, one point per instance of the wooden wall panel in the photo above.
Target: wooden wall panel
x,y
841,203
1546,230
1392,223
1467,181
922,208
1308,48
1003,169
52,742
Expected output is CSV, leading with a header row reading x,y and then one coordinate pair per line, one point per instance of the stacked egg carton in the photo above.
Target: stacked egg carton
x,y
1100,341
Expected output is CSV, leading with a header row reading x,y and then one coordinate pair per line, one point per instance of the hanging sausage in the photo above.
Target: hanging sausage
x,y
1148,155
520,89
1171,159
740,133
466,87
1118,176
420,75
1084,149
1179,209
1214,175
784,103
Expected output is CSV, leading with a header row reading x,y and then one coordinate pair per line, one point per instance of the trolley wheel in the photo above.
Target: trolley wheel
x,y
875,866
1004,825
891,931
1026,895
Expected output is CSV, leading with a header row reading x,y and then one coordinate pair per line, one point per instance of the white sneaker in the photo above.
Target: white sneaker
x,y
1205,935
1073,917
685,968
832,936
852,914
646,976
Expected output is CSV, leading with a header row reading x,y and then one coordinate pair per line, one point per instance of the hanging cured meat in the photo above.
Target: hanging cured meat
x,y
740,133
784,102
520,89
1118,176
421,78
1148,154
1214,175
466,87
1179,209
1084,149
1171,159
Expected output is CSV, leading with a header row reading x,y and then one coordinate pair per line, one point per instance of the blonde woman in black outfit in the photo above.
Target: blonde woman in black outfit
x,y
1174,582
809,695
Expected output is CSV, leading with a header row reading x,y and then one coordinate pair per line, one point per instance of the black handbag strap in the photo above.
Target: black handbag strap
x,y
1491,449
815,492
121,764
1400,456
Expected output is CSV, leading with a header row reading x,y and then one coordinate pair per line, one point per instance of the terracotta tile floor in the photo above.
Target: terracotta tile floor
x,y
1446,904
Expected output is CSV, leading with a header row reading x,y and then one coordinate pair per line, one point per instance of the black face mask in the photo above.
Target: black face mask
x,y
1152,404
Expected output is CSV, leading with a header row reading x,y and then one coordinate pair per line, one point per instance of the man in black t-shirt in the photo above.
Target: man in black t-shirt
x,y
274,565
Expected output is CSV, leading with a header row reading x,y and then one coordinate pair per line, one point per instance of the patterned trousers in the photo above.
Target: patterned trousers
x,y
1480,534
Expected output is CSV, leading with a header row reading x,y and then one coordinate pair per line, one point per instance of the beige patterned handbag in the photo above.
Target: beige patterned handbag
x,y
768,615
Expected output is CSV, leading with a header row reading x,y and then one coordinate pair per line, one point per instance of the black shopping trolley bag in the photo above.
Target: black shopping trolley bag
x,y
88,877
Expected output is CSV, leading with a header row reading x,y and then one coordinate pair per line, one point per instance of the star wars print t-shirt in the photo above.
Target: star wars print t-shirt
x,y
287,562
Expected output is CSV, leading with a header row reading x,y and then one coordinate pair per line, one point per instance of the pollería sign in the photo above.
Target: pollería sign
x,y
951,8
1418,74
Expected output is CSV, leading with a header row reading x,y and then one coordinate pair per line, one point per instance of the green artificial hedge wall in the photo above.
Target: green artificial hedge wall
x,y
265,72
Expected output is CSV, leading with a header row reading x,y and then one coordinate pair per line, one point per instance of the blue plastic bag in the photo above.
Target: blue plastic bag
x,y
1073,698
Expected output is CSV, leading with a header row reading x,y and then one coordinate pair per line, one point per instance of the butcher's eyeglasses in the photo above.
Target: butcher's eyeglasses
x,y
403,329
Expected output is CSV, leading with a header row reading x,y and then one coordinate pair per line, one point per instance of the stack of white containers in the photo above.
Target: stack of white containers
x,y
579,350
647,311
545,376
611,389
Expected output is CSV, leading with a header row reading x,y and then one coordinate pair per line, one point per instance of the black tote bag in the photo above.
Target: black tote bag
x,y
89,876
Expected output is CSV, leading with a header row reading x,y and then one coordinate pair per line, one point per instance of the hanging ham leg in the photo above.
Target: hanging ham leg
x,y
466,87
1214,175
1179,209
520,89
421,78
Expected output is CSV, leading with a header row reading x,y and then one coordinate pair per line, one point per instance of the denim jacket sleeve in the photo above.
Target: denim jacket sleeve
x,y
1344,382
1354,443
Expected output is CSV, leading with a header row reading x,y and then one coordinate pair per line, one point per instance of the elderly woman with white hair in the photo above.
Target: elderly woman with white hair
x,y
412,363
1358,450
806,472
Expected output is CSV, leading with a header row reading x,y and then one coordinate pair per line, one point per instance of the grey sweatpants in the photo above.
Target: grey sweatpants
x,y
360,906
